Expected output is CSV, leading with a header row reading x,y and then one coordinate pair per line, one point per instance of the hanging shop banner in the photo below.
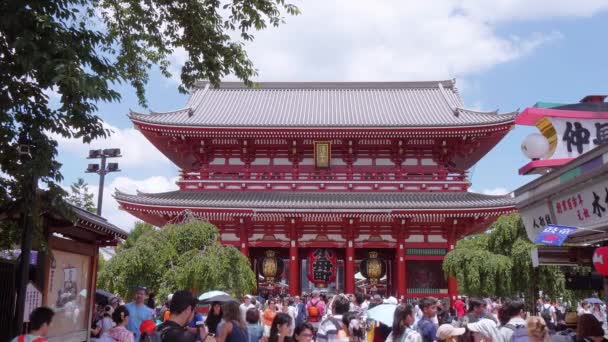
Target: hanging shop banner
x,y
554,235
322,266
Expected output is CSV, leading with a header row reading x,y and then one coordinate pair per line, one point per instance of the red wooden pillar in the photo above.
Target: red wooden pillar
x,y
349,263
400,260
401,284
349,269
452,282
294,261
243,235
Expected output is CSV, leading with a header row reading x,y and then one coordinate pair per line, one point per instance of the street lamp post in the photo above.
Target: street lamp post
x,y
103,170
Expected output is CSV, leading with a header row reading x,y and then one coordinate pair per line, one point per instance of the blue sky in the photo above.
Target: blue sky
x,y
506,56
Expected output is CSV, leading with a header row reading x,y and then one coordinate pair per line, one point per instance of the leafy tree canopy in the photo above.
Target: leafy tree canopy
x,y
498,263
80,196
81,49
180,256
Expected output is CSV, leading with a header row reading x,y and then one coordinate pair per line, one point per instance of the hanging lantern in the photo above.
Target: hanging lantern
x,y
600,260
321,266
373,268
270,266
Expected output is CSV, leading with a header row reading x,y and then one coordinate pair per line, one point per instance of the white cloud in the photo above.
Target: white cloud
x,y
498,191
136,150
501,10
110,208
348,40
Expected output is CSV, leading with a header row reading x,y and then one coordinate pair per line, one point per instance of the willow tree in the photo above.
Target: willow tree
x,y
498,263
178,256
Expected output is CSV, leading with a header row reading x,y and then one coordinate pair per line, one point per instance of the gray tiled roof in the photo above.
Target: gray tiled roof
x,y
99,221
325,104
319,200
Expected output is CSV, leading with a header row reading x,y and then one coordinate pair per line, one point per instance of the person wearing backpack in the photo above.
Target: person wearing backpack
x,y
547,310
332,328
514,309
38,327
315,309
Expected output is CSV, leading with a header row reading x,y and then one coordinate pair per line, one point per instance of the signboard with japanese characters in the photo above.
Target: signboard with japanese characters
x,y
322,266
535,219
586,207
577,136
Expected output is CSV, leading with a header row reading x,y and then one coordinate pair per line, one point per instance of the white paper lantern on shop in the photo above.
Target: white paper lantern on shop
x,y
535,146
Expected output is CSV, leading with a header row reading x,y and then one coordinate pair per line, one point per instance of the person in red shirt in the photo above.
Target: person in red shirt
x,y
460,307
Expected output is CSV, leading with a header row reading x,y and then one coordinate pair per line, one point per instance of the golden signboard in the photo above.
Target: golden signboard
x,y
322,154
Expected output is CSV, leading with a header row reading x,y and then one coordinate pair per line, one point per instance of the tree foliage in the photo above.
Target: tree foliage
x,y
79,50
80,196
179,256
498,263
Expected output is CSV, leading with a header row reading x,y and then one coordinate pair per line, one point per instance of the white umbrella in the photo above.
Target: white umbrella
x,y
383,313
212,294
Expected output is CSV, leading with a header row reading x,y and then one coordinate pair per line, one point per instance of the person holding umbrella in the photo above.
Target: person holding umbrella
x,y
214,318
403,319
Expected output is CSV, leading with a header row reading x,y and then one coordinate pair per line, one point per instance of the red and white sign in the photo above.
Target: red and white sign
x,y
600,260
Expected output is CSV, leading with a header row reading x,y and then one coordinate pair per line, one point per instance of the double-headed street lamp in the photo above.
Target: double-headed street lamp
x,y
102,169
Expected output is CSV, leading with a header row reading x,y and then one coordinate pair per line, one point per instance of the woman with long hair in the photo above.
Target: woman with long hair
x,y
232,328
120,332
304,332
280,328
402,323
214,318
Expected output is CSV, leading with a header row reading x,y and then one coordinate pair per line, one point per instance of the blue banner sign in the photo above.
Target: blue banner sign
x,y
554,235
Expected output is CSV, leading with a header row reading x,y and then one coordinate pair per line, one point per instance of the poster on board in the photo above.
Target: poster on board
x,y
67,292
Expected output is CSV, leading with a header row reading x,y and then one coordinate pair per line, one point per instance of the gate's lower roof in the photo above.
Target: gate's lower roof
x,y
318,200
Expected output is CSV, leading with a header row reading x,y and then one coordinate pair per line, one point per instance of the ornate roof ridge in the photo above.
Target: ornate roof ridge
x,y
328,85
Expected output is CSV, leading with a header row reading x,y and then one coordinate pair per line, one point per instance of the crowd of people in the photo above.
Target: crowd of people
x,y
322,317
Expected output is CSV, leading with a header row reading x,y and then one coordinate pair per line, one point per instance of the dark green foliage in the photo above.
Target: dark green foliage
x,y
79,50
498,263
180,256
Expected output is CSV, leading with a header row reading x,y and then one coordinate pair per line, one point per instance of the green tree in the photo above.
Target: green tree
x,y
140,229
179,256
79,50
80,196
498,263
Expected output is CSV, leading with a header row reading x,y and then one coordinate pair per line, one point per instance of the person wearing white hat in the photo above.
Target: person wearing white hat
x,y
485,330
449,333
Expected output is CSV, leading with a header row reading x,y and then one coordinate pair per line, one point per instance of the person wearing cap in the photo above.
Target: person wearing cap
x,y
147,329
449,333
485,330
183,305
138,311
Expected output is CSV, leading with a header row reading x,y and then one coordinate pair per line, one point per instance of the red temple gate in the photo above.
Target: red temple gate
x,y
351,167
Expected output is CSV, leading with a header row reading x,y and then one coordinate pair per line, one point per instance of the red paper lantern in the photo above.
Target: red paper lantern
x,y
321,266
600,260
